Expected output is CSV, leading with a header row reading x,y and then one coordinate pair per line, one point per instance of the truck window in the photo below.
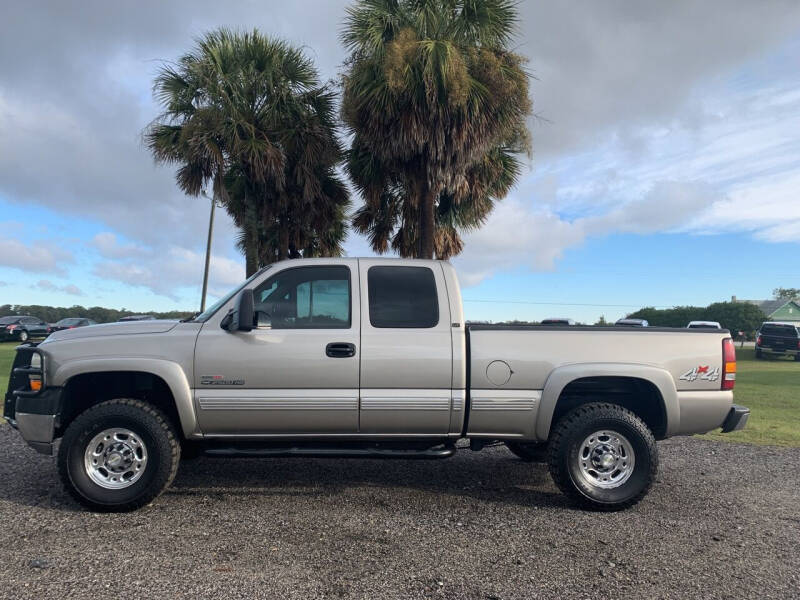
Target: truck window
x,y
306,298
784,330
403,297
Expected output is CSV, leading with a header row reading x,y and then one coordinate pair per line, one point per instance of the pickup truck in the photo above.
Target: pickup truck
x,y
776,338
364,358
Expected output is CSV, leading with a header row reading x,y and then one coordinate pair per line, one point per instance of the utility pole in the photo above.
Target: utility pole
x,y
208,254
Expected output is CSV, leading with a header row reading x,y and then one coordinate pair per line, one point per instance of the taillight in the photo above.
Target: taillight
x,y
758,341
11,327
728,364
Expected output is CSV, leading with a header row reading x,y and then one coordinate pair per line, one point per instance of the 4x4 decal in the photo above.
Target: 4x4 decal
x,y
702,372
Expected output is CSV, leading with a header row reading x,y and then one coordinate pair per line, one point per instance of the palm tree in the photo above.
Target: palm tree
x,y
248,115
390,220
434,100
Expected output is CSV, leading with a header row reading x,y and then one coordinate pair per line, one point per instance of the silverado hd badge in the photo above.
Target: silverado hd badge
x,y
704,373
219,380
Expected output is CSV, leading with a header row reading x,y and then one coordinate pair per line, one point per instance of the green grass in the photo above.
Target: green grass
x,y
770,388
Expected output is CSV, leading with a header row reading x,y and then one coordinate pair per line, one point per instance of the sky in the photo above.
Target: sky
x,y
666,164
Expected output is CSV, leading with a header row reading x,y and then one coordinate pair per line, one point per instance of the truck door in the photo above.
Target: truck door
x,y
406,349
300,375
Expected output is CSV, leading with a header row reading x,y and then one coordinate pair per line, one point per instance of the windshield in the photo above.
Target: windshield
x,y
69,321
6,320
204,316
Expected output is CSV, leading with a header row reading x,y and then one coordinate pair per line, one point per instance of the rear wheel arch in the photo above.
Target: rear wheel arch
x,y
647,392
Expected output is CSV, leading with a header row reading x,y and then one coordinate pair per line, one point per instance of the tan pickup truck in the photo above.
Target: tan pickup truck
x,y
364,358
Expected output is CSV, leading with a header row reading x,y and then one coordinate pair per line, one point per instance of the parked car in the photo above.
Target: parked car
x,y
632,323
71,323
138,318
557,321
364,358
778,338
22,328
703,325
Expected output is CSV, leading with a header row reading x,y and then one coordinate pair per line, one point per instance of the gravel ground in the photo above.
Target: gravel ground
x,y
722,522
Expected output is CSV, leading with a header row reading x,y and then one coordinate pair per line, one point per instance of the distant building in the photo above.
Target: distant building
x,y
777,310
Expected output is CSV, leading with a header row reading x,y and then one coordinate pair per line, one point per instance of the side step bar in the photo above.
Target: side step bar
x,y
442,451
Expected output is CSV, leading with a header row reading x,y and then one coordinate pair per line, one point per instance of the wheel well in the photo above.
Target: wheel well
x,y
637,395
87,389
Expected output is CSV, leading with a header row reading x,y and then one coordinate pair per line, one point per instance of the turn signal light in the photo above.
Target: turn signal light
x,y
36,384
728,364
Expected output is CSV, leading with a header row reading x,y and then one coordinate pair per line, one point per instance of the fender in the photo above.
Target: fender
x,y
562,376
169,371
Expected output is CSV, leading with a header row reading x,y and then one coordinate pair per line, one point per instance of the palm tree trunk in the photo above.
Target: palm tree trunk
x,y
251,249
427,222
284,240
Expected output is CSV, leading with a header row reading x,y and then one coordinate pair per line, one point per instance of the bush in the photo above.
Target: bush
x,y
735,316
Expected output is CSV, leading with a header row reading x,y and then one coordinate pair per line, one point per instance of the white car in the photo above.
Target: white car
x,y
703,325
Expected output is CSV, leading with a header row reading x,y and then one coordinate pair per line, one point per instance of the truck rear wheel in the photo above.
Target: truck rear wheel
x,y
530,451
118,455
603,457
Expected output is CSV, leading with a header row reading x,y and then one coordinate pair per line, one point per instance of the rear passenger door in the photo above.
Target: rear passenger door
x,y
406,349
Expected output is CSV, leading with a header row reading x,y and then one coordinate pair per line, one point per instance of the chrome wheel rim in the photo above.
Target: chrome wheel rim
x,y
115,458
606,459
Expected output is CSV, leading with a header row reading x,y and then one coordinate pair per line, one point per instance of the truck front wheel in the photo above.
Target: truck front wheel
x,y
118,455
603,456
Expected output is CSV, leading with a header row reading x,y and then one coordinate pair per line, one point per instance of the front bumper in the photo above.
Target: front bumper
x,y
736,419
36,418
34,414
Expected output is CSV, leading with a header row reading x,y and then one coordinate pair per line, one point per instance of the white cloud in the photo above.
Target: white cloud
x,y
108,247
48,286
521,234
164,273
34,256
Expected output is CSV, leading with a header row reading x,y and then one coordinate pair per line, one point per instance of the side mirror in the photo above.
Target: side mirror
x,y
241,317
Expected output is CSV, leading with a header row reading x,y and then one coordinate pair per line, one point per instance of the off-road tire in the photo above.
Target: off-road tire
x,y
563,454
156,432
530,451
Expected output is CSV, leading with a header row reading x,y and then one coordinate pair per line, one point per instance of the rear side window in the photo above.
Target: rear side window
x,y
783,330
402,297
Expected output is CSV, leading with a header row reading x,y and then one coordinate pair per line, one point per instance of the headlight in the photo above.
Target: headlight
x,y
35,380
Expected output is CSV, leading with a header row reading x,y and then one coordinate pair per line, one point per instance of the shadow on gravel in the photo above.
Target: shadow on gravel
x,y
493,475
490,476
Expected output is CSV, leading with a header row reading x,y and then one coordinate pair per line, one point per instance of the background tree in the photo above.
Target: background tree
x,y
735,316
786,293
247,114
436,103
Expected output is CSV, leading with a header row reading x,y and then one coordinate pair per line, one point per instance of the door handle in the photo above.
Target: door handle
x,y
340,350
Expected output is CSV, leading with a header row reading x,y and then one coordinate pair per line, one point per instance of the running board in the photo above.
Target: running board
x,y
329,452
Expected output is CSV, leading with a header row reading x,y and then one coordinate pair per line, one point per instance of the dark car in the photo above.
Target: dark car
x,y
71,323
778,339
138,318
22,328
